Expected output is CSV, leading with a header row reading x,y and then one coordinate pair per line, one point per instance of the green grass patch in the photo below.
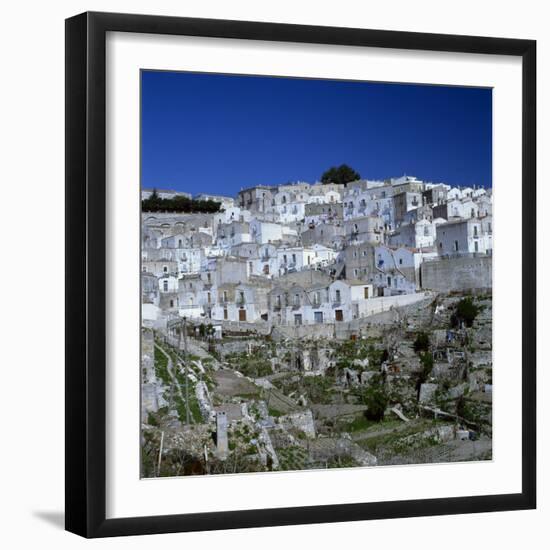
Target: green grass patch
x,y
359,424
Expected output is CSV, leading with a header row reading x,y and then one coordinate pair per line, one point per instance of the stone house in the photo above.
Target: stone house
x,y
359,260
233,233
368,229
404,202
328,234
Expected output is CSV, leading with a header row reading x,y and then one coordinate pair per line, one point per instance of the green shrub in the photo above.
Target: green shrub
x,y
422,342
375,397
465,312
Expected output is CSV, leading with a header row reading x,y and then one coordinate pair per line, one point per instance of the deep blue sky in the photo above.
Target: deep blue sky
x,y
219,133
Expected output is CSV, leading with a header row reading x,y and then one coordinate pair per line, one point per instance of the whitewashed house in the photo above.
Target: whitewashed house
x,y
347,298
267,263
292,259
263,232
462,237
232,214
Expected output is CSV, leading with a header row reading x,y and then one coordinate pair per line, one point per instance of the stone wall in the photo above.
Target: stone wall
x,y
458,274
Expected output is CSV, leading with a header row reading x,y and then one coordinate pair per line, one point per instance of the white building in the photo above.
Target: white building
x,y
164,193
265,232
462,237
414,235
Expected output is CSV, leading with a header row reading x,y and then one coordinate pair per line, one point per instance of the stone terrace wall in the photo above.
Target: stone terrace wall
x,y
458,274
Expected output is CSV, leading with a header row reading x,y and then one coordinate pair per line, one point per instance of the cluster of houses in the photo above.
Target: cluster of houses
x,y
305,253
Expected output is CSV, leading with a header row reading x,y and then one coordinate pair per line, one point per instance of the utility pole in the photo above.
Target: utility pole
x,y
186,370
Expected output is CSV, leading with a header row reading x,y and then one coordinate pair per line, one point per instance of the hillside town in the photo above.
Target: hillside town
x,y
305,326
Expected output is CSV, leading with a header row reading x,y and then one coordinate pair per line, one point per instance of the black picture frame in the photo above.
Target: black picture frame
x,y
86,275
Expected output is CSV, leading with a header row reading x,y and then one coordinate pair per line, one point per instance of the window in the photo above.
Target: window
x,y
165,285
180,243
171,303
293,258
476,246
165,269
318,316
225,313
475,231
317,298
209,277
366,292
338,296
356,272
144,269
456,246
400,261
298,319
209,297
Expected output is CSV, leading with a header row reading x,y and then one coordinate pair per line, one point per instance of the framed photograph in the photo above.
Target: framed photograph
x,y
300,276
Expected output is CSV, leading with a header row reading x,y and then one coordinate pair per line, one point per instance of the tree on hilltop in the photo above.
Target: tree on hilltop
x,y
340,174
